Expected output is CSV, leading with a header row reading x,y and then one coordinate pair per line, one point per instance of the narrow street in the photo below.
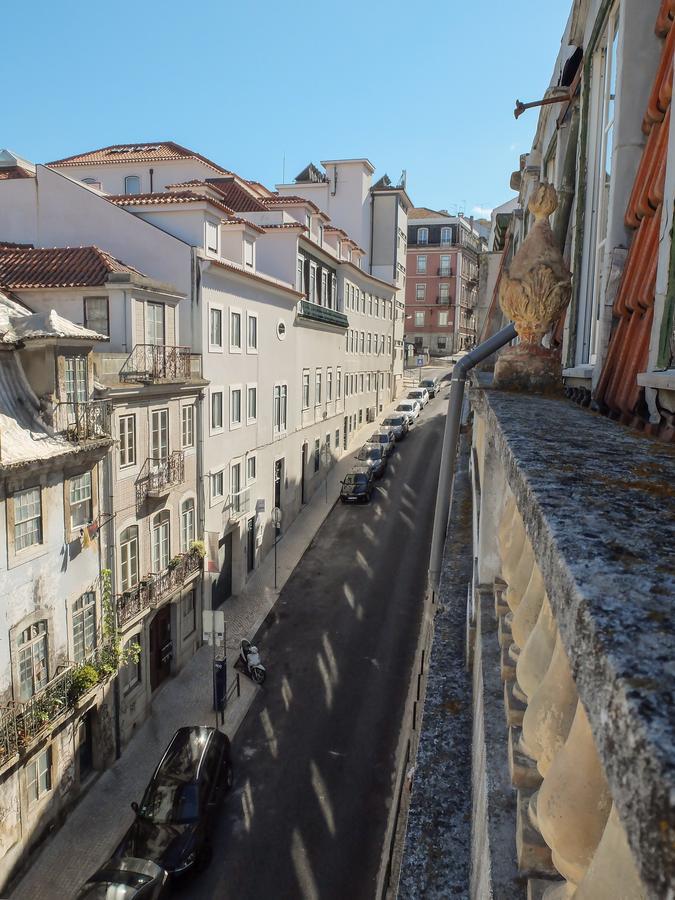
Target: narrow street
x,y
315,755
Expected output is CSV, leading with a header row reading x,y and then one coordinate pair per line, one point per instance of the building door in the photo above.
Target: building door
x,y
159,435
303,464
154,324
278,480
161,647
222,589
85,746
250,544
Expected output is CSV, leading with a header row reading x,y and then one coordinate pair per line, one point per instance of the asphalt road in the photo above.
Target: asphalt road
x,y
315,755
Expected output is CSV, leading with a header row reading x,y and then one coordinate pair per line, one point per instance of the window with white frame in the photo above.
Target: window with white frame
x,y
312,282
132,184
363,302
33,659
446,236
154,324
235,330
362,342
216,410
361,379
370,304
251,403
129,557
159,435
76,380
300,275
237,499
389,344
217,485
419,318
252,332
324,287
39,776
444,268
351,341
211,236
187,416
338,383
215,328
251,468
161,544
329,385
305,390
96,315
127,441
369,343
422,235
80,500
280,407
84,626
27,518
377,307
187,524
421,265
444,293
248,253
235,407
443,318
369,382
317,388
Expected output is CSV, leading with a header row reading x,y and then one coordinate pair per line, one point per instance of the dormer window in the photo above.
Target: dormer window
x,y
445,236
248,253
92,182
422,235
308,222
132,184
321,235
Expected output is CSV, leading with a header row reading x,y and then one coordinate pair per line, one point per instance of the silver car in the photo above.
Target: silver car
x,y
385,439
398,425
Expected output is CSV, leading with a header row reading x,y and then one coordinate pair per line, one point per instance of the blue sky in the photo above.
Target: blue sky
x,y
429,88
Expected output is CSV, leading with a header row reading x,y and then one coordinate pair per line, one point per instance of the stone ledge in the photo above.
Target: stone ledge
x,y
597,504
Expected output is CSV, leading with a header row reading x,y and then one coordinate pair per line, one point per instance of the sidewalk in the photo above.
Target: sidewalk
x,y
95,826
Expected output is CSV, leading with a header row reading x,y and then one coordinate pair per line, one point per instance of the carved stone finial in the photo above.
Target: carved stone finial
x,y
534,292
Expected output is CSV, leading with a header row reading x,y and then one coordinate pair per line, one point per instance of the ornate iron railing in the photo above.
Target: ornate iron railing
x,y
159,475
309,310
9,734
157,362
155,588
87,421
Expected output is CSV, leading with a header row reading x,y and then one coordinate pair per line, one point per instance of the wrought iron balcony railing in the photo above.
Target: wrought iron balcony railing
x,y
155,588
156,362
158,476
86,421
318,313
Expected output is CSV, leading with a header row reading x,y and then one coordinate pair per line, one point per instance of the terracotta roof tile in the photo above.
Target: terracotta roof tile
x,y
235,196
166,197
8,172
238,220
125,153
287,225
58,267
423,212
290,200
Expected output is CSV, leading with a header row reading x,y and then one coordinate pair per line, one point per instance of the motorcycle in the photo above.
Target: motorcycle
x,y
249,656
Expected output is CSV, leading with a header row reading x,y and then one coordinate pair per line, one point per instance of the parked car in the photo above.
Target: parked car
x,y
385,439
431,385
126,879
398,425
411,408
175,817
420,394
374,457
358,485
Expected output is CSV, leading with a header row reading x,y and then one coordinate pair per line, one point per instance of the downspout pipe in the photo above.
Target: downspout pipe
x,y
446,474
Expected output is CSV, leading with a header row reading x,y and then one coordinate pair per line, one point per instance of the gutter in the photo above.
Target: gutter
x,y
446,474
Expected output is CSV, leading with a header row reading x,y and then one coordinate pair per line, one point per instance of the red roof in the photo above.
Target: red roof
x,y
290,200
58,267
237,220
235,196
125,153
7,172
165,197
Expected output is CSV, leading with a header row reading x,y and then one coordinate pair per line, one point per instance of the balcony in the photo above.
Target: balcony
x,y
148,363
158,476
238,504
322,314
155,588
81,422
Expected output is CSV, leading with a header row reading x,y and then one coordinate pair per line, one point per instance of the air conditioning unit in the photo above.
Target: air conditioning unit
x,y
370,414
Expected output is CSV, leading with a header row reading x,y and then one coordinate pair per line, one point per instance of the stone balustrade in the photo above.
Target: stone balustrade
x,y
575,557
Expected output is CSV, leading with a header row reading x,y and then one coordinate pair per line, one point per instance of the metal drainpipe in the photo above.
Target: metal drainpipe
x,y
450,442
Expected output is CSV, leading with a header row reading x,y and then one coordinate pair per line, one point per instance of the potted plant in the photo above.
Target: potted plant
x,y
199,548
84,679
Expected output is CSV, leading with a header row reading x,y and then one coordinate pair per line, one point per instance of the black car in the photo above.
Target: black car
x,y
358,486
174,819
126,879
374,457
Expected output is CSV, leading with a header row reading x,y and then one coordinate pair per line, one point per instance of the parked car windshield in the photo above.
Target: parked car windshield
x,y
370,453
405,406
170,801
356,478
397,421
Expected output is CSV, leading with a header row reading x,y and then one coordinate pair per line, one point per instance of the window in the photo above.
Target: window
x,y
312,282
443,319
444,269
377,307
39,776
317,388
217,485
160,541
187,524
370,304
305,390
324,287
96,315
329,385
351,341
33,661
369,388
381,343
132,670
338,384
362,342
215,328
441,343
187,415
80,500
127,441
189,614
419,318
363,302
251,403
321,234
154,323
84,626
251,468
235,407
252,332
445,236
300,275
389,344
361,383
317,454
421,265
216,410
422,235
248,253
27,519
132,184
129,557
235,331
280,407
235,487
444,293
212,236
76,379
337,438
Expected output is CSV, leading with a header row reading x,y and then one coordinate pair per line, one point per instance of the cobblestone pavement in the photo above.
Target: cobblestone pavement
x,y
96,825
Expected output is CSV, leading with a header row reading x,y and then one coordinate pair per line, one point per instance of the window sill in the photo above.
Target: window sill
x,y
215,348
663,380
584,371
235,426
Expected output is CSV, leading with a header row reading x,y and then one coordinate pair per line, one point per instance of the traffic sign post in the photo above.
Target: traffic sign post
x,y
420,363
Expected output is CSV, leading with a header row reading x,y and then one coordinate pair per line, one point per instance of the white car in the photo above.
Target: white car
x,y
411,408
420,394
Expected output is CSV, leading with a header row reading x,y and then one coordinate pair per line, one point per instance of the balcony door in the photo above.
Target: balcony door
x,y
161,647
154,324
75,384
159,437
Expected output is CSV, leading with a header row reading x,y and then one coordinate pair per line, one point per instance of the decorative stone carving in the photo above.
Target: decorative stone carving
x,y
525,616
535,656
534,292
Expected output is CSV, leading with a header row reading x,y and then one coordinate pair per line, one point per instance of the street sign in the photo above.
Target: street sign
x,y
276,516
420,360
213,626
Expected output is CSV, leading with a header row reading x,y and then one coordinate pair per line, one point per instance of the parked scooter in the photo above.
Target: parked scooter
x,y
250,658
